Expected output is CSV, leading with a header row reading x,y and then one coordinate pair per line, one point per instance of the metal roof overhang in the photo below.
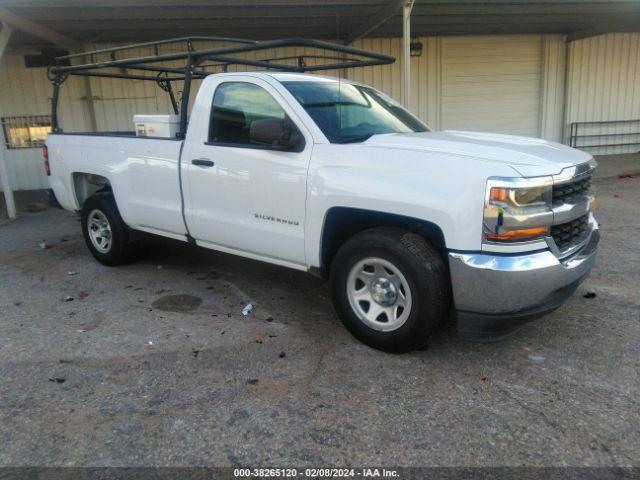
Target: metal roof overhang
x,y
115,21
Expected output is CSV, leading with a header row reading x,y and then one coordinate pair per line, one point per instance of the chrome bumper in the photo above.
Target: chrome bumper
x,y
502,288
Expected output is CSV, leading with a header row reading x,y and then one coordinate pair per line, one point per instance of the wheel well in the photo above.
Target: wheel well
x,y
87,184
342,223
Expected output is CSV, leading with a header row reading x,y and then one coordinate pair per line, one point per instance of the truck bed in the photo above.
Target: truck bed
x,y
143,173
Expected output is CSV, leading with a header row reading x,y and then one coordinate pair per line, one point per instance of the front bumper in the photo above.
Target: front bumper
x,y
494,294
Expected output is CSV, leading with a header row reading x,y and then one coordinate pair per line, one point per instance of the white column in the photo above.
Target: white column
x,y
406,52
5,33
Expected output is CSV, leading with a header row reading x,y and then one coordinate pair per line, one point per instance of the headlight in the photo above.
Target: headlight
x,y
517,209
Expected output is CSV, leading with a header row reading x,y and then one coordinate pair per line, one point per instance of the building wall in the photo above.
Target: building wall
x,y
491,83
26,91
604,84
553,80
506,84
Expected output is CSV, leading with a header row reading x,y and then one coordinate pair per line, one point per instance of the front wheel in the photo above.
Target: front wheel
x,y
105,233
390,288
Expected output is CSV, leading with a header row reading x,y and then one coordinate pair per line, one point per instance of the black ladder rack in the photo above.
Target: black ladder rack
x,y
114,63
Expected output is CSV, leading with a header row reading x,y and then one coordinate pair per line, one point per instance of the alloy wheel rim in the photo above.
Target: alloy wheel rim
x,y
99,230
379,294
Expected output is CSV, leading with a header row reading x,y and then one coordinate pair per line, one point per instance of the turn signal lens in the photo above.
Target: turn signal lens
x,y
518,235
498,194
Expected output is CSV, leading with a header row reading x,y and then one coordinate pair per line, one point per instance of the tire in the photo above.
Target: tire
x,y
397,264
98,209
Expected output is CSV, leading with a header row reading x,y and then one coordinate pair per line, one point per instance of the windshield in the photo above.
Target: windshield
x,y
349,113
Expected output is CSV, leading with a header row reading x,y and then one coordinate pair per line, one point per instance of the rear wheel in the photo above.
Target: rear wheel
x,y
390,288
105,233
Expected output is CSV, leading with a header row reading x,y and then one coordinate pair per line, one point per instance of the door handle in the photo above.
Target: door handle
x,y
202,162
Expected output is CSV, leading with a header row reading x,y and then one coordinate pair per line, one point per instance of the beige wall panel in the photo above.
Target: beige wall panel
x,y
26,91
604,85
491,83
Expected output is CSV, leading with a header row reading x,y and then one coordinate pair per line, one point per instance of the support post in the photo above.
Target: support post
x,y
5,33
4,176
406,52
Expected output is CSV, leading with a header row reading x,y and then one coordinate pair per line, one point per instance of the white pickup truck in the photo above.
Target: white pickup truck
x,y
335,178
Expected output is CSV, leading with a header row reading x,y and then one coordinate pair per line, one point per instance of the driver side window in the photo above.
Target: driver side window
x,y
235,106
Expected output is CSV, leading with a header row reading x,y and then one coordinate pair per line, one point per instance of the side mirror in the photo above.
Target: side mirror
x,y
281,134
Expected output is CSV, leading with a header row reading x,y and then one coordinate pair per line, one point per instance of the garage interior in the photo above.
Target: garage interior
x,y
539,69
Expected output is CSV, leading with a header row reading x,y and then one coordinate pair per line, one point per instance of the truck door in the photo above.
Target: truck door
x,y
242,196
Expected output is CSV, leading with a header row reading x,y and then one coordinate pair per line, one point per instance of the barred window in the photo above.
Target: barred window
x,y
29,131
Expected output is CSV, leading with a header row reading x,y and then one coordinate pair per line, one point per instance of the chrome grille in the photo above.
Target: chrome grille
x,y
568,234
571,192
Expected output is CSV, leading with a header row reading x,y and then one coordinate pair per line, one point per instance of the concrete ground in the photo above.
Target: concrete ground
x,y
126,374
27,201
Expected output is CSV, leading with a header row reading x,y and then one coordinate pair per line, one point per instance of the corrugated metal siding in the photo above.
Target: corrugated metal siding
x,y
553,85
492,83
603,85
115,101
26,91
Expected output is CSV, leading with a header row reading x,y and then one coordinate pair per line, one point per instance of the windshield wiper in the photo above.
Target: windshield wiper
x,y
358,139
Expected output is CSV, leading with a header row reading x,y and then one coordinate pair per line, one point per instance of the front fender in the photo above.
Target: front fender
x,y
443,189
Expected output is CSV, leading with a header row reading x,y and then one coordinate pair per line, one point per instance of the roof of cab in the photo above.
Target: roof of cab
x,y
306,77
289,76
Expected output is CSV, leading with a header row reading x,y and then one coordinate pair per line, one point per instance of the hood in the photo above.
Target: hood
x,y
528,156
